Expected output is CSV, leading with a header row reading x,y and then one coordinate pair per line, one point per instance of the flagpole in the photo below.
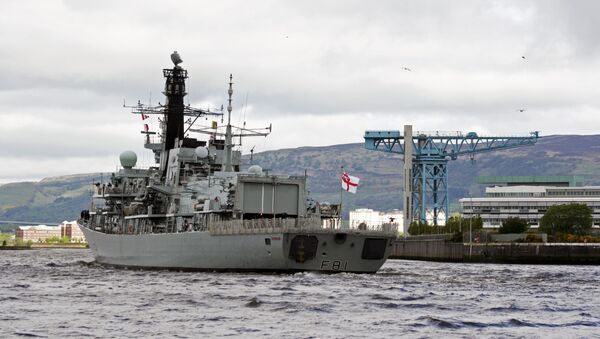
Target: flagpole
x,y
341,197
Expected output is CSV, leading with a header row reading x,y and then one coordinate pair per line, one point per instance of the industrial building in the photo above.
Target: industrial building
x,y
528,198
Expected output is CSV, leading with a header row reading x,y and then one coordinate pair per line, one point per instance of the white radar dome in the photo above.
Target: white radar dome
x,y
255,169
201,152
128,159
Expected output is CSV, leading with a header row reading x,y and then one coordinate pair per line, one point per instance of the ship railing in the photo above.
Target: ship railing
x,y
385,227
279,225
255,226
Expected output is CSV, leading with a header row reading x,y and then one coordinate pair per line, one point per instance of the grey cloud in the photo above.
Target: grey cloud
x,y
71,63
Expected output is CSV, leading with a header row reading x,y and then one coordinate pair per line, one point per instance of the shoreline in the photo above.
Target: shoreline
x,y
44,246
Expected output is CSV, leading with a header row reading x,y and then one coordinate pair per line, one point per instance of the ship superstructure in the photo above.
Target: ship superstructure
x,y
197,210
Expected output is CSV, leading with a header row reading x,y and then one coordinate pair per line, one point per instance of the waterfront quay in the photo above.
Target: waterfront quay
x,y
517,253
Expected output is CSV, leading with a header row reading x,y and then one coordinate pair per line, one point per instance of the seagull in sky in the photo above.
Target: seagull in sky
x,y
406,69
523,57
521,110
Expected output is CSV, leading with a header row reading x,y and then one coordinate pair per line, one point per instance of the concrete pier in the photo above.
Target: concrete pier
x,y
518,253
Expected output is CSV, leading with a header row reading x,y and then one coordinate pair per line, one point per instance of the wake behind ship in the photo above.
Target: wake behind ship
x,y
196,210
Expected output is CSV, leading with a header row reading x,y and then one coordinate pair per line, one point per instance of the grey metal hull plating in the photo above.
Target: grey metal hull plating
x,y
237,252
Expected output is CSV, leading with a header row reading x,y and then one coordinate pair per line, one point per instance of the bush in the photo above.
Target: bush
x,y
457,224
53,240
533,237
567,219
513,225
454,225
418,228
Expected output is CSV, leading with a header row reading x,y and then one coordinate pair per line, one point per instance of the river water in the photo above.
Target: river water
x,y
62,293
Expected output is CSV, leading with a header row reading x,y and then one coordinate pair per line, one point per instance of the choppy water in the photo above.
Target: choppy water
x,y
60,293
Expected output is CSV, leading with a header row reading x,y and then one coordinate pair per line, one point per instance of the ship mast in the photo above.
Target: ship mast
x,y
228,138
174,91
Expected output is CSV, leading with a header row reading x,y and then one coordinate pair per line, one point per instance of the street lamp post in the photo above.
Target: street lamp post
x,y
471,228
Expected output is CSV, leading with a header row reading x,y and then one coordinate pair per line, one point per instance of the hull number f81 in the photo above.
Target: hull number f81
x,y
334,265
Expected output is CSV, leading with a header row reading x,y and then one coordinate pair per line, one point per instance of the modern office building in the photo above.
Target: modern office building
x,y
529,202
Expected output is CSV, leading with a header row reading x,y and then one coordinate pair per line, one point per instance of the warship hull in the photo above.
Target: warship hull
x,y
348,251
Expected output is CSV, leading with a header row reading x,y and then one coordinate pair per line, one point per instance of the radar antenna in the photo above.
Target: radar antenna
x,y
231,131
228,145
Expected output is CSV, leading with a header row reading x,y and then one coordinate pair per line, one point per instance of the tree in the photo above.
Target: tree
x,y
455,224
569,218
513,225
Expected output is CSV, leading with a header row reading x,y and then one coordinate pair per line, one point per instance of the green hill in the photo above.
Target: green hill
x,y
61,198
50,200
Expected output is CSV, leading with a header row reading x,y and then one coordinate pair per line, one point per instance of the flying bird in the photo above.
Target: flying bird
x,y
176,58
521,110
406,69
522,57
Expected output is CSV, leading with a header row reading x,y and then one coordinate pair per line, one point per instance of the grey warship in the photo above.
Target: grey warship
x,y
196,209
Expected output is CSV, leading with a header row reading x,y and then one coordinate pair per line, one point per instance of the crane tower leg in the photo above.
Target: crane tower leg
x,y
408,177
430,191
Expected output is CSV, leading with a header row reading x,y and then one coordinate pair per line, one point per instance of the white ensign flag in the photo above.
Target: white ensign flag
x,y
349,183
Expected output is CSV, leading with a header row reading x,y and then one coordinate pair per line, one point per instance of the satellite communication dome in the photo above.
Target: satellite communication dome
x,y
128,159
201,152
255,169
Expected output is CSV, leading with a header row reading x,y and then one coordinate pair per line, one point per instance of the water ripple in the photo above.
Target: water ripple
x,y
55,293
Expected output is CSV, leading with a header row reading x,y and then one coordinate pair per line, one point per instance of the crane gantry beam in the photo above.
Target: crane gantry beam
x,y
426,187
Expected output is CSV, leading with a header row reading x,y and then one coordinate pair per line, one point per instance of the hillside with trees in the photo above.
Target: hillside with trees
x,y
61,198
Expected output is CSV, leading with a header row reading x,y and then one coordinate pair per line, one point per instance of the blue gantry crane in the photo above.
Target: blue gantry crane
x,y
426,160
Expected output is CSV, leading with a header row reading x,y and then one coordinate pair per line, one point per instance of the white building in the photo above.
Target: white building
x,y
528,202
372,219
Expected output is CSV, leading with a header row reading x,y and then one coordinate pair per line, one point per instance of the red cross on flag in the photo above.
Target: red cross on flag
x,y
349,183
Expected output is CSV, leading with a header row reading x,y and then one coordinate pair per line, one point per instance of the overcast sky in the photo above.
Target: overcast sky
x,y
321,72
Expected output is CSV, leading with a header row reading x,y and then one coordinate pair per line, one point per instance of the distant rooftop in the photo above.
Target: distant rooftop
x,y
530,180
40,227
